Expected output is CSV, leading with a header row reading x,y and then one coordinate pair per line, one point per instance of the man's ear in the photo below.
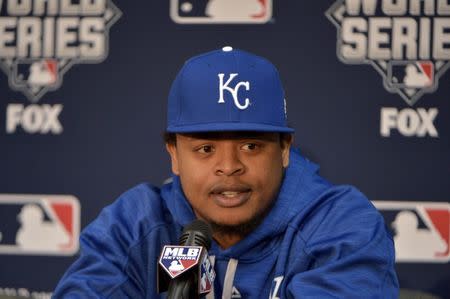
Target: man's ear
x,y
286,143
172,150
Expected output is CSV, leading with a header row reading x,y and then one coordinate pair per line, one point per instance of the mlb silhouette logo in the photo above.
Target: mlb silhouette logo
x,y
411,74
421,230
39,224
221,11
36,76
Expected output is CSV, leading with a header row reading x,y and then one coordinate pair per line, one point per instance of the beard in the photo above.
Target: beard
x,y
241,229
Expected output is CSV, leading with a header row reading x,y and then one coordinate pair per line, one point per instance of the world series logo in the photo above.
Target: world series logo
x,y
406,41
41,40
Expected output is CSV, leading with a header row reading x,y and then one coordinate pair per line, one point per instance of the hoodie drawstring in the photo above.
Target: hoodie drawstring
x,y
229,279
212,260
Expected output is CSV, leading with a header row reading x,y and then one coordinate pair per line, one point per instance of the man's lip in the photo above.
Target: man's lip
x,y
230,199
230,188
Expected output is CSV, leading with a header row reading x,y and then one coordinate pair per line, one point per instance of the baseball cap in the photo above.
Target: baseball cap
x,y
227,90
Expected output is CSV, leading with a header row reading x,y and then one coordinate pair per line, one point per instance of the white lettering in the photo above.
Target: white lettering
x,y
441,38
48,40
19,7
39,7
181,252
275,294
443,7
428,118
424,38
34,119
355,47
408,122
170,252
68,8
91,33
415,7
388,121
405,32
13,117
93,7
28,33
233,91
192,252
7,37
394,7
354,7
378,38
65,37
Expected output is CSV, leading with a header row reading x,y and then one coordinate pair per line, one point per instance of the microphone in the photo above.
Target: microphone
x,y
186,263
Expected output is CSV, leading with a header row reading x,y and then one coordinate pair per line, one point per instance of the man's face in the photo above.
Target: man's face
x,y
230,178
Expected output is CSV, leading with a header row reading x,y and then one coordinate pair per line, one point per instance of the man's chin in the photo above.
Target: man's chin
x,y
239,227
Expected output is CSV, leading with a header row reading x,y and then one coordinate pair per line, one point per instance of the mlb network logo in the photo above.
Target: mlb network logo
x,y
421,230
178,259
39,224
221,11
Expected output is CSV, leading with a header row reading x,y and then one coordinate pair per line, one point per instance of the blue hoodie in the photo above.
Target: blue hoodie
x,y
318,241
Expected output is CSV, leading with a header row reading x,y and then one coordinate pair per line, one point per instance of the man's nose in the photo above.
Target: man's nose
x,y
229,162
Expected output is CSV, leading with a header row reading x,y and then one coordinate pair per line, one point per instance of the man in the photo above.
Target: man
x,y
279,229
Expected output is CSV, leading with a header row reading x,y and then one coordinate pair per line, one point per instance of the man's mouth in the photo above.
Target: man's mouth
x,y
230,197
230,194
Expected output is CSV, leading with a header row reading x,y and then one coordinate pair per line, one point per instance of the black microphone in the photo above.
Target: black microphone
x,y
197,233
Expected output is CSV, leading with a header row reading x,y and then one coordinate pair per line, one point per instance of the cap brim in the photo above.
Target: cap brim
x,y
228,126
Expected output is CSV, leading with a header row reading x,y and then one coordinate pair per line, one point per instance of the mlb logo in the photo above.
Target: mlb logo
x,y
36,76
207,276
411,74
221,11
176,260
421,230
39,224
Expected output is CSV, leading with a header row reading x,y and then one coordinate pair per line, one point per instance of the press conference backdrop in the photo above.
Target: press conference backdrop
x,y
83,88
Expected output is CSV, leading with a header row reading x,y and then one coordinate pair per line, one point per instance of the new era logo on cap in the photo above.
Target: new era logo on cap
x,y
227,90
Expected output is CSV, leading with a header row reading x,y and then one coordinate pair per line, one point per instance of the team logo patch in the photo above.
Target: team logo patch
x,y
41,40
405,41
176,260
221,11
207,275
421,230
39,224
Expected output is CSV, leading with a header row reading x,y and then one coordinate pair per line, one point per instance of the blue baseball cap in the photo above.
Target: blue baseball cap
x,y
227,90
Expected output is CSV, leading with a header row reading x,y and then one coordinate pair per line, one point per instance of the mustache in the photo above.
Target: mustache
x,y
234,187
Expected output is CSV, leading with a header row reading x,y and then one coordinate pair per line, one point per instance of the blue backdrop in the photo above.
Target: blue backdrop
x,y
83,92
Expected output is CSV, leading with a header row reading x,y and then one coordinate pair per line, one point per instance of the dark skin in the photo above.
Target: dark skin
x,y
230,178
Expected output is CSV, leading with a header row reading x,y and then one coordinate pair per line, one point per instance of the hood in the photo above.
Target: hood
x,y
289,204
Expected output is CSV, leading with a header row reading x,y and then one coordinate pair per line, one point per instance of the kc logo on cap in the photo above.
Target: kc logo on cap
x,y
227,90
233,91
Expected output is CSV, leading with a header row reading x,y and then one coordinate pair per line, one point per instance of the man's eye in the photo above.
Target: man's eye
x,y
250,146
205,149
